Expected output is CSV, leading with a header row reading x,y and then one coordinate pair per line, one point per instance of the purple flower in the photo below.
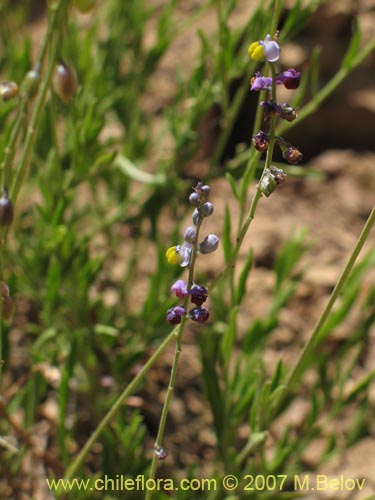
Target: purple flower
x,y
175,314
289,78
270,108
259,82
198,294
199,314
261,141
180,289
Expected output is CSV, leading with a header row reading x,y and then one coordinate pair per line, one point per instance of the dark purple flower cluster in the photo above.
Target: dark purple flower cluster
x,y
198,295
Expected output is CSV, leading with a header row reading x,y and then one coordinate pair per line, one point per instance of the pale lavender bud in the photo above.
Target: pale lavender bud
x,y
195,216
190,234
207,209
209,244
205,191
194,199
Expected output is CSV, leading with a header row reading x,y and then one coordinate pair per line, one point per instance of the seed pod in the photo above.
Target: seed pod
x,y
64,82
7,307
8,90
6,210
84,5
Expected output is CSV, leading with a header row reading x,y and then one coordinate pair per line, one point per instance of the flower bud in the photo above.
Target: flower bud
x,y
205,190
30,84
270,108
267,183
179,288
278,174
194,199
6,210
4,289
195,216
207,209
261,141
209,244
161,453
84,5
287,112
174,315
292,155
8,90
64,82
7,308
199,314
198,294
190,234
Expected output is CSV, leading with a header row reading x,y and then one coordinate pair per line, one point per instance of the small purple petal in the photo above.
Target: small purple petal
x,y
179,288
199,314
198,294
175,314
290,78
261,83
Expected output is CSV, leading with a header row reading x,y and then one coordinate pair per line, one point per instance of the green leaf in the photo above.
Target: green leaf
x,y
228,339
277,375
229,177
288,257
241,287
354,46
226,240
128,168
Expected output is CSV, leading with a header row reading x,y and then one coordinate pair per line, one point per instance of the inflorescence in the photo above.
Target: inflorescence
x,y
184,255
269,50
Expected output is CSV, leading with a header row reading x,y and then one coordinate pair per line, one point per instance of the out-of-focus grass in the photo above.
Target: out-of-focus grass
x,y
86,253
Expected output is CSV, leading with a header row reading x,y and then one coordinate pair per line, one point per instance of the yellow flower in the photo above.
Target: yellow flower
x,y
256,51
172,255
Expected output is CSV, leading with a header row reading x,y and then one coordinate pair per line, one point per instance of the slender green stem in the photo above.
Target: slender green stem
x,y
78,461
57,11
168,399
10,149
276,14
254,201
300,365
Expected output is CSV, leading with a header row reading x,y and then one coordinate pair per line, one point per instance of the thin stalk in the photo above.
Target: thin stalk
x,y
314,338
168,399
79,459
10,149
31,132
56,11
255,199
